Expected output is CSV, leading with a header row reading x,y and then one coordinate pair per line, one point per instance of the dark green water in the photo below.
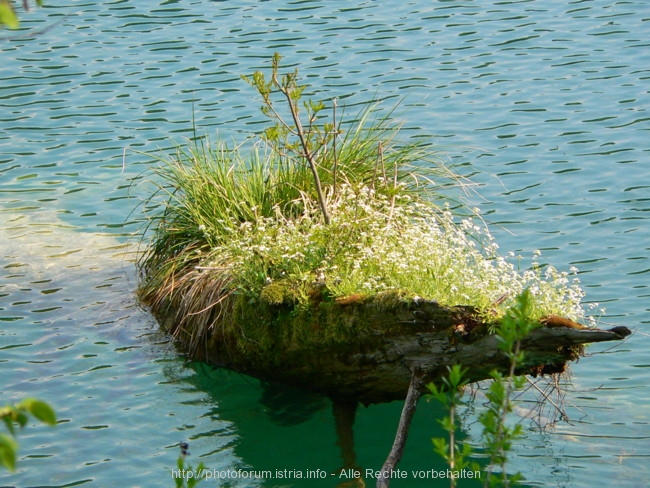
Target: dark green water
x,y
543,104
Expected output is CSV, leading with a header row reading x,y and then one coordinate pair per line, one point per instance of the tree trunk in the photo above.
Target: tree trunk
x,y
374,360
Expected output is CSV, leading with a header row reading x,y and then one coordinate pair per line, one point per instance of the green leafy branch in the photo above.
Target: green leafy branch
x,y
450,395
294,139
8,15
19,414
497,435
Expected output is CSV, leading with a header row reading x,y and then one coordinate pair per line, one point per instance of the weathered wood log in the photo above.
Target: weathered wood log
x,y
372,361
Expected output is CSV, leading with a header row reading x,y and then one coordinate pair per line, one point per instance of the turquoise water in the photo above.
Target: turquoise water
x,y
543,104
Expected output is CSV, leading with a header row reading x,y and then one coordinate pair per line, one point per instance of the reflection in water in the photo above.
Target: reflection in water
x,y
345,413
290,406
299,430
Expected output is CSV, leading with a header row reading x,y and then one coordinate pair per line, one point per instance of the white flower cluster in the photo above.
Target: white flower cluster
x,y
377,243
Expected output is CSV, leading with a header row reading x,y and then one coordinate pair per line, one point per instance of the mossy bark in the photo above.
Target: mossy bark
x,y
365,350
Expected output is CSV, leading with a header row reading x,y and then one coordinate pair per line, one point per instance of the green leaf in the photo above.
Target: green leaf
x,y
456,373
447,424
7,418
312,106
20,418
8,15
8,449
39,409
200,471
440,446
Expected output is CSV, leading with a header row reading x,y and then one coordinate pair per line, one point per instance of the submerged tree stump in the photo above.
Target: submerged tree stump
x,y
383,344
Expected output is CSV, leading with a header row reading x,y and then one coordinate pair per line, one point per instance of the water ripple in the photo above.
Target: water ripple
x,y
554,94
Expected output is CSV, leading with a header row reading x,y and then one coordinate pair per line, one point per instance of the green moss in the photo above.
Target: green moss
x,y
281,292
264,330
391,298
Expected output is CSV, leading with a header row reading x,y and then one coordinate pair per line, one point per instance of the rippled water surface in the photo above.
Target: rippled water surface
x,y
543,103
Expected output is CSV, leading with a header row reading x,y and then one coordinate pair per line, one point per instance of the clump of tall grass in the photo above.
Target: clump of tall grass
x,y
335,209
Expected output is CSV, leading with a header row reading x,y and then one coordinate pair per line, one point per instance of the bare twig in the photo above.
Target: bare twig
x,y
410,404
562,413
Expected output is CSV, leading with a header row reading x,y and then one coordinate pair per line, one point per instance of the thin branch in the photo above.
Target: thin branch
x,y
336,161
547,397
307,152
410,404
